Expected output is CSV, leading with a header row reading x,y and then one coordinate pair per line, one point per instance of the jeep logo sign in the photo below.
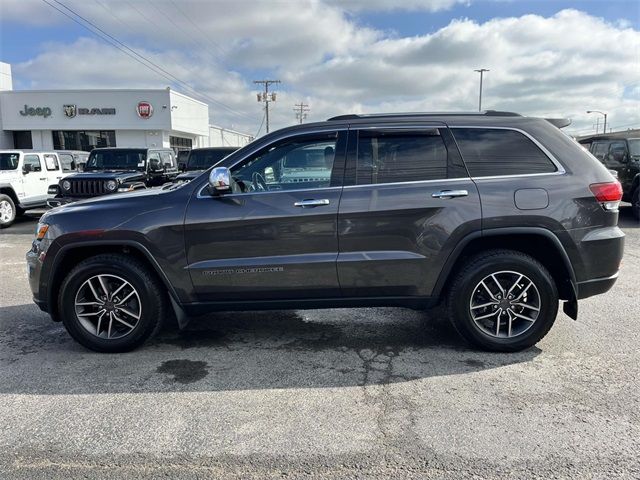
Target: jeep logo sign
x,y
144,109
36,111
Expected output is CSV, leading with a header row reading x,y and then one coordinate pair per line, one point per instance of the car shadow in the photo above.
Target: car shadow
x,y
244,351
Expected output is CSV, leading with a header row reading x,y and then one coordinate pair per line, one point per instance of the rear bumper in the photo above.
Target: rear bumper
x,y
596,286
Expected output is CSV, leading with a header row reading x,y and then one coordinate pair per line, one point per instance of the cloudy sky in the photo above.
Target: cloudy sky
x,y
546,57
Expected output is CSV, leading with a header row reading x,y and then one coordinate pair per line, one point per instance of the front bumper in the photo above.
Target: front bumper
x,y
59,201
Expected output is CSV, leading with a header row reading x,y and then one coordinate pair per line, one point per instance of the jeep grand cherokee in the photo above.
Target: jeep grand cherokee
x,y
496,215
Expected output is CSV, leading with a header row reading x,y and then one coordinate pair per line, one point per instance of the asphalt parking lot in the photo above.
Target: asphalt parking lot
x,y
382,393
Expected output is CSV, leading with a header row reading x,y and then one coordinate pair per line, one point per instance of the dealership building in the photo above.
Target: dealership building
x,y
85,119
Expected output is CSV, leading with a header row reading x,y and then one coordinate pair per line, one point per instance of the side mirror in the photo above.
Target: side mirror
x,y
220,180
154,165
26,168
182,166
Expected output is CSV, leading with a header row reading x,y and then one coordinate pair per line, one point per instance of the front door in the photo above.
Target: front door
x,y
277,237
34,183
407,202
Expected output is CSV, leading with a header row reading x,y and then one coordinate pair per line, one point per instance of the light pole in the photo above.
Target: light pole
x,y
605,119
481,72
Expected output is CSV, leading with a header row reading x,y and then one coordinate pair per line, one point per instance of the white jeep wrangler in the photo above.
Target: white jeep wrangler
x,y
25,177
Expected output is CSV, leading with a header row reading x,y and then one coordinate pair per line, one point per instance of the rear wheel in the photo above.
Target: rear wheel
x,y
7,211
503,301
111,303
635,203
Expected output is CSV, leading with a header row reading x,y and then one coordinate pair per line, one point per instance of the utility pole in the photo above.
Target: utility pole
x,y
301,111
605,119
266,97
481,72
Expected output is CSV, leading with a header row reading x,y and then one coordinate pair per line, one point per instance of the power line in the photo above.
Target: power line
x,y
113,41
301,109
266,97
215,45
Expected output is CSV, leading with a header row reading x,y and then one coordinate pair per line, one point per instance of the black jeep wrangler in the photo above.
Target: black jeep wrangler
x,y
623,156
111,170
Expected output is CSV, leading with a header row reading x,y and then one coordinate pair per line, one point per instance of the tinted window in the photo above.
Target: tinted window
x,y
34,161
203,159
291,165
68,164
9,161
51,161
400,157
117,159
599,149
490,152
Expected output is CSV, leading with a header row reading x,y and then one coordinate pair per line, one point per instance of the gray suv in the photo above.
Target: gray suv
x,y
495,215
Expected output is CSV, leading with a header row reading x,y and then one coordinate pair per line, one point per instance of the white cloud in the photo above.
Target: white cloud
x,y
561,65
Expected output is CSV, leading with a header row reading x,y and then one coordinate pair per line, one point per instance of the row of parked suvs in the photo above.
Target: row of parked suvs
x,y
35,179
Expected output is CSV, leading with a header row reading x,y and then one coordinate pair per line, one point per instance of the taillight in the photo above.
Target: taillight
x,y
608,194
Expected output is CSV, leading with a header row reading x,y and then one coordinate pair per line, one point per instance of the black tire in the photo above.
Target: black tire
x,y
151,293
479,267
635,203
7,211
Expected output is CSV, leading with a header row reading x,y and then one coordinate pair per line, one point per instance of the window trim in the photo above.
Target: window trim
x,y
56,159
24,160
560,169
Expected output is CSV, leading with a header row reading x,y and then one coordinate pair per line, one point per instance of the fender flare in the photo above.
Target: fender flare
x,y
570,306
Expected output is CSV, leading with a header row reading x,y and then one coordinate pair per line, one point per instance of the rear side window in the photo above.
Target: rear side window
x,y
168,160
51,161
493,152
68,164
599,149
389,157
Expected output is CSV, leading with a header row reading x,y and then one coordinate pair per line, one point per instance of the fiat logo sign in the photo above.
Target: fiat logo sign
x,y
144,109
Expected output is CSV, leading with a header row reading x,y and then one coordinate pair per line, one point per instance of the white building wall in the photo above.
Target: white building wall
x,y
222,137
131,138
6,80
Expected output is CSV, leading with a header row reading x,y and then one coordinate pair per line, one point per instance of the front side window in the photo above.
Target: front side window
x,y
389,157
125,159
9,161
634,147
51,161
203,159
34,161
599,149
294,164
491,152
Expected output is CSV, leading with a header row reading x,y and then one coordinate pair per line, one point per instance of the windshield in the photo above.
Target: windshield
x,y
203,159
9,161
634,147
117,160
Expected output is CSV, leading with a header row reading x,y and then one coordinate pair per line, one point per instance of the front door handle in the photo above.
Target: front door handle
x,y
311,203
43,178
450,194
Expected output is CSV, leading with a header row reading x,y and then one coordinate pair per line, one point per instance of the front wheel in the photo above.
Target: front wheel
x,y
111,303
7,211
503,301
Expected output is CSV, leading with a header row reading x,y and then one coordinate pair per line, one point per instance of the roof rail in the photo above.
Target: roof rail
x,y
490,113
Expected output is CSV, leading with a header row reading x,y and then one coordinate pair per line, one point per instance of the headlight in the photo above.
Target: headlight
x,y
41,230
66,185
112,185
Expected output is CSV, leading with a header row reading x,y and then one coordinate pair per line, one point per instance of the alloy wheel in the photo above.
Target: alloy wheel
x,y
505,304
108,306
6,211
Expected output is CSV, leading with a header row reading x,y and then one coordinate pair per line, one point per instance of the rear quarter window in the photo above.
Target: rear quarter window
x,y
494,152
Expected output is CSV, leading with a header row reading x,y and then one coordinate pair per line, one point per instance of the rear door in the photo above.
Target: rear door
x,y
407,202
53,168
276,237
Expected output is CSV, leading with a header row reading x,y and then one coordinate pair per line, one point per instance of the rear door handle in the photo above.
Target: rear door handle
x,y
450,194
311,203
41,178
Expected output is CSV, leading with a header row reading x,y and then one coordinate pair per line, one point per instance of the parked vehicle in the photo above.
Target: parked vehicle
x,y
496,215
25,176
112,170
623,156
200,159
73,160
